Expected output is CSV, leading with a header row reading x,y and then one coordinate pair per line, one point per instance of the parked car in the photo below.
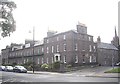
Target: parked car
x,y
2,68
117,64
20,69
8,68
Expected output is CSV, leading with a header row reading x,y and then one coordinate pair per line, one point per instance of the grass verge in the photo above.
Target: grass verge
x,y
115,70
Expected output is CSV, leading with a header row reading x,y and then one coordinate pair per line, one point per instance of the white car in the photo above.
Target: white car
x,y
117,64
8,68
20,69
2,68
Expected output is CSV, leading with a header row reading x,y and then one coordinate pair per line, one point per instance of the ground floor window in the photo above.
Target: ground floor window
x,y
94,58
64,59
90,59
76,59
24,61
83,61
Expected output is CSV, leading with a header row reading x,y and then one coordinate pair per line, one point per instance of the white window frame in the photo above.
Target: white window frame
x,y
90,59
47,49
94,48
42,49
58,57
24,61
64,37
64,59
52,49
65,47
76,59
76,47
90,47
57,48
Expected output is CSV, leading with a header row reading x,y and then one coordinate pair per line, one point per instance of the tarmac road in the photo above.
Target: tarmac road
x,y
51,77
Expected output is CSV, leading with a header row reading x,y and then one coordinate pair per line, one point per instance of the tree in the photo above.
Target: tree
x,y
7,22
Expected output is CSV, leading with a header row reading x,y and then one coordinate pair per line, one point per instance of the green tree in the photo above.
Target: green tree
x,y
7,22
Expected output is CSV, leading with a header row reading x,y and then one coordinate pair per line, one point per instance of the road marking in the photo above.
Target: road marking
x,y
10,80
7,80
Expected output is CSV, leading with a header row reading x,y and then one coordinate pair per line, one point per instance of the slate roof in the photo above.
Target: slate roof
x,y
106,46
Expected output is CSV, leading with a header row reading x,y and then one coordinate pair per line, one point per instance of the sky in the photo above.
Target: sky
x,y
100,17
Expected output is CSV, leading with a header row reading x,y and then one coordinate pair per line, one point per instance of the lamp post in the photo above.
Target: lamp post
x,y
33,48
113,59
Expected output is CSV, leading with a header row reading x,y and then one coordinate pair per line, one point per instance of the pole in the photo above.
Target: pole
x,y
113,60
33,48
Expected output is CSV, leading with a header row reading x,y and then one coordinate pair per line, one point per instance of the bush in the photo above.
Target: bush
x,y
69,66
56,65
45,66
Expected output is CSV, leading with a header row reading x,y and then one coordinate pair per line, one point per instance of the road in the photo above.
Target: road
x,y
60,77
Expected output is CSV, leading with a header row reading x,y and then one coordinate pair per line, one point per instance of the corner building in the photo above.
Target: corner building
x,y
73,46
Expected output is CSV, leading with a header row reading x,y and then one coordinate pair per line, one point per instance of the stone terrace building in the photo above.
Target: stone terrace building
x,y
22,55
107,53
73,46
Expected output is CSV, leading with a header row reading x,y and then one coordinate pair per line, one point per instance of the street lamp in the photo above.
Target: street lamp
x,y
33,47
113,59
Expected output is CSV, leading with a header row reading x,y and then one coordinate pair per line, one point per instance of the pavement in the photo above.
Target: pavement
x,y
97,71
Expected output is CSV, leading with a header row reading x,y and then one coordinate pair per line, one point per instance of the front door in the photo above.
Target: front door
x,y
56,57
